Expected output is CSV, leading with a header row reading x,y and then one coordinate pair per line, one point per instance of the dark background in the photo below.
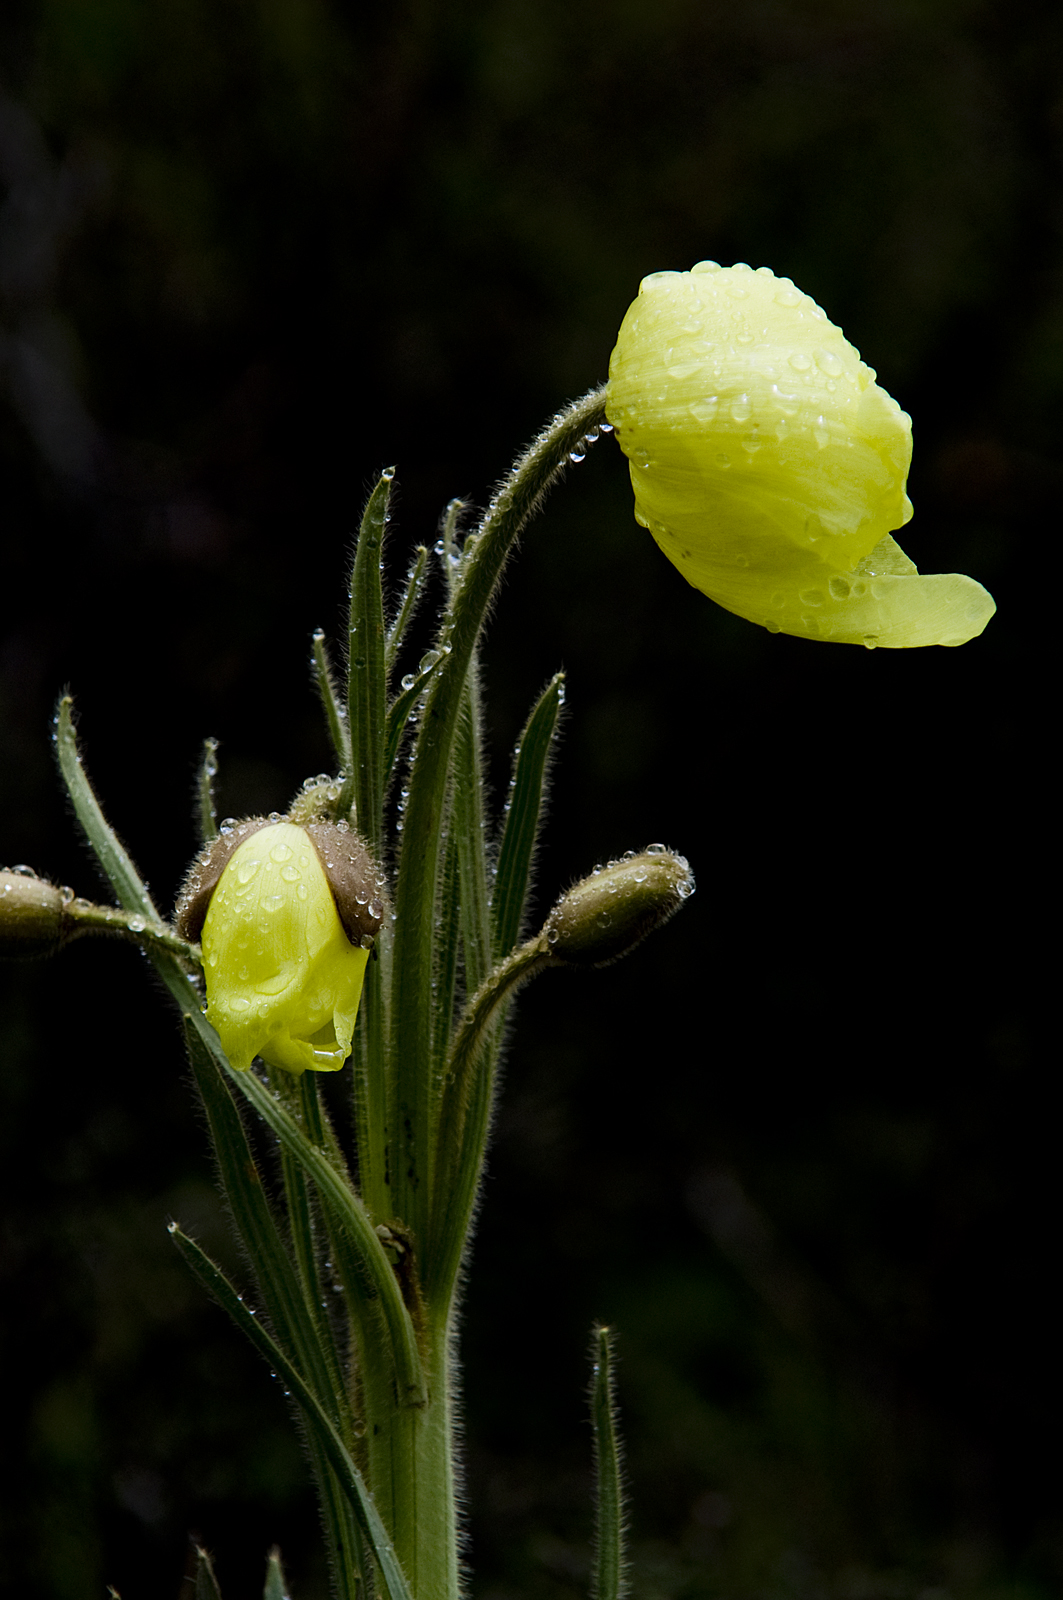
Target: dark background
x,y
801,1147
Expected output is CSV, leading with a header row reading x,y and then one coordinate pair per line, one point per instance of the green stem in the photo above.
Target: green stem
x,y
465,1119
84,916
484,557
411,1468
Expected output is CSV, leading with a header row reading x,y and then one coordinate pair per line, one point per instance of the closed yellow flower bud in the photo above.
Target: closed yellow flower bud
x,y
283,979
769,465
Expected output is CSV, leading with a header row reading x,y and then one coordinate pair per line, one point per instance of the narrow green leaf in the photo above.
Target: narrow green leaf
x,y
206,810
335,718
357,1249
517,850
370,1094
206,1582
366,676
311,1108
468,825
275,1272
318,1422
449,541
414,686
610,1578
118,869
399,713
411,599
275,1586
483,559
449,952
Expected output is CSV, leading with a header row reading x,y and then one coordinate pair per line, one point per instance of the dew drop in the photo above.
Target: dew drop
x,y
788,404
800,362
839,588
704,411
741,410
828,362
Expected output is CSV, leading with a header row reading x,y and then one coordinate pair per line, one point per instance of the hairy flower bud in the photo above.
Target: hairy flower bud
x,y
606,915
769,465
32,921
286,916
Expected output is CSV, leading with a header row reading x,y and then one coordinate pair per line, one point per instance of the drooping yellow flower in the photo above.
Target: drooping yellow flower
x,y
769,465
283,979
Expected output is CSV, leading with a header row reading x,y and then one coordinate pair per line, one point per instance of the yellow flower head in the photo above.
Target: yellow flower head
x,y
283,978
769,465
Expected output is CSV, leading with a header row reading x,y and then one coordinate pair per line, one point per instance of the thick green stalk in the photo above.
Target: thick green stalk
x,y
484,558
411,1470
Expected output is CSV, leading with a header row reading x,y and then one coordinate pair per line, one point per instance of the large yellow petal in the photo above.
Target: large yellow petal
x,y
770,466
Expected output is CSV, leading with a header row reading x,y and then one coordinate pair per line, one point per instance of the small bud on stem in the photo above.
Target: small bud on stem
x,y
606,915
31,914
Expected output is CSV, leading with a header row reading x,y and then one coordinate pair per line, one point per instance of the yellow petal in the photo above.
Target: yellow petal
x,y
283,980
769,465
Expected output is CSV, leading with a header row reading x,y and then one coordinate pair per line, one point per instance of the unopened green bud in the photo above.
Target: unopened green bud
x,y
31,914
609,913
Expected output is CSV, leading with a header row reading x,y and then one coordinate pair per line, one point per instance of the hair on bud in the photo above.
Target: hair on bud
x,y
604,916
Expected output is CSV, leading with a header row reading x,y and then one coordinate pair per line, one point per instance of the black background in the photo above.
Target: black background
x,y
800,1148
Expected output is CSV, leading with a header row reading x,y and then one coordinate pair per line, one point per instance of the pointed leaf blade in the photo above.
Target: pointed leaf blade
x,y
118,869
519,836
610,1580
319,1424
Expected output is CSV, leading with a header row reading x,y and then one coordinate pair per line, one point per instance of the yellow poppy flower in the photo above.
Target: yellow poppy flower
x,y
769,465
283,979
